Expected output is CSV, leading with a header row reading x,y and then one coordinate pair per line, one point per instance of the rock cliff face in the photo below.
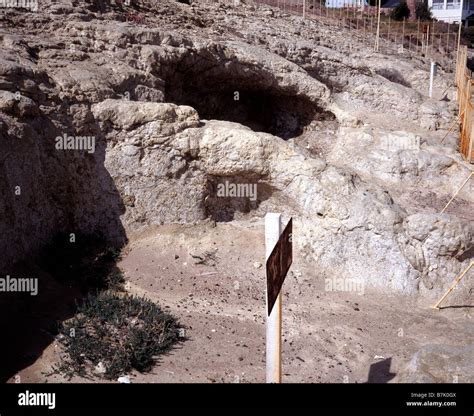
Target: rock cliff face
x,y
180,99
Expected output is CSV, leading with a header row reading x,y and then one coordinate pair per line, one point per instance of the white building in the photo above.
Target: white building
x,y
451,11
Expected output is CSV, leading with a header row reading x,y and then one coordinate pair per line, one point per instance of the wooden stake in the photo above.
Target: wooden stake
x,y
427,42
432,38
378,28
459,40
403,33
388,33
417,34
273,327
457,120
459,190
456,281
447,40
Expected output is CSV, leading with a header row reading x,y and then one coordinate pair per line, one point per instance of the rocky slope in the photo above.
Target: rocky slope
x,y
180,98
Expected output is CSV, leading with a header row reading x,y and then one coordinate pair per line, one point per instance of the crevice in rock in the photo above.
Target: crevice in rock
x,y
393,76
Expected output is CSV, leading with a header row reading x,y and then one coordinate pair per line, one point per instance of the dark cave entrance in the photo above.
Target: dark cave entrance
x,y
261,109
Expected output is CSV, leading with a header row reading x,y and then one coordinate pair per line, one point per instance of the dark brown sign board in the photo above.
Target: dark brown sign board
x,y
278,264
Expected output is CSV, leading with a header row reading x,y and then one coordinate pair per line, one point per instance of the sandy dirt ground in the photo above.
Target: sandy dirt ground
x,y
329,337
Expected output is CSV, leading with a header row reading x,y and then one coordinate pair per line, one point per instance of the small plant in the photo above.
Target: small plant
x,y
116,333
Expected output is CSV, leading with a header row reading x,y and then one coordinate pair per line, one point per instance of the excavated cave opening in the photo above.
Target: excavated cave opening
x,y
260,108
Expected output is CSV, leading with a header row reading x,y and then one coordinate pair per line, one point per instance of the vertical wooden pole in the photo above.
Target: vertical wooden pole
x,y
447,40
417,34
467,126
470,149
432,38
432,71
378,27
389,24
403,33
273,328
459,41
427,41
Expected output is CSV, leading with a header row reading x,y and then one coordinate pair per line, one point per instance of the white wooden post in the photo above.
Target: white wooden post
x,y
273,329
432,73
